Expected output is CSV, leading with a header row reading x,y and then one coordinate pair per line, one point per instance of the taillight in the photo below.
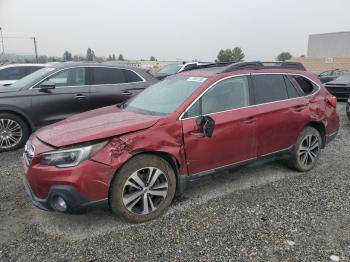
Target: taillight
x,y
332,100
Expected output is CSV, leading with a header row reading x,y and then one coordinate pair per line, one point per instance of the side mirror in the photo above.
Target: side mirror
x,y
47,85
208,125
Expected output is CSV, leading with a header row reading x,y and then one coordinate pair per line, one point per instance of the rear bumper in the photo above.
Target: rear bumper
x,y
76,202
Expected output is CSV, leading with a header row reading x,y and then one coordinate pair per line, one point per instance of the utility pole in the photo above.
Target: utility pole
x,y
2,42
36,51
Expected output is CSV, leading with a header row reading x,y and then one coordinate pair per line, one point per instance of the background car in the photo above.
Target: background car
x,y
177,68
340,87
330,75
58,91
11,73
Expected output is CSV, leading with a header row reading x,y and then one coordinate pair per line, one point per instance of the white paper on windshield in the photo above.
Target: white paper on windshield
x,y
197,79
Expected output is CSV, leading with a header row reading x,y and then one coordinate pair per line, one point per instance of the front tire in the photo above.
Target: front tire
x,y
142,189
14,132
307,150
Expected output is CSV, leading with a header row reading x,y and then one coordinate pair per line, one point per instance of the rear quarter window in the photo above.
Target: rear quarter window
x,y
306,86
131,76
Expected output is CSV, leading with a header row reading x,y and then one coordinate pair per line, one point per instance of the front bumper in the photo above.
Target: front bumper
x,y
83,186
75,201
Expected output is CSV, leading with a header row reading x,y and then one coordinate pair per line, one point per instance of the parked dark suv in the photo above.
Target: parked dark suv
x,y
56,92
135,157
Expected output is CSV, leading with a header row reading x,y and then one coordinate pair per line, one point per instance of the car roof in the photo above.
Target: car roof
x,y
63,65
226,69
23,65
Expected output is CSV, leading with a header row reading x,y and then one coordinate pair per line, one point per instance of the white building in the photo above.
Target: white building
x,y
329,45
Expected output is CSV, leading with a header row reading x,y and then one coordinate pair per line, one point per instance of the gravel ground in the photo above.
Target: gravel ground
x,y
256,213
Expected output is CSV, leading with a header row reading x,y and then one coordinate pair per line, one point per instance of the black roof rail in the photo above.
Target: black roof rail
x,y
264,65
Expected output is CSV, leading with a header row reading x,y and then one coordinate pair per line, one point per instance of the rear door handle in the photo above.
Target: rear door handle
x,y
80,96
249,120
197,134
126,93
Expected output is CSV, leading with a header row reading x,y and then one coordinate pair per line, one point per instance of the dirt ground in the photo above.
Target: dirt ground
x,y
258,213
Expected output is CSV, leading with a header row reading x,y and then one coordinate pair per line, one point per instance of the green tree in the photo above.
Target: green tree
x,y
152,58
284,56
120,58
90,54
67,56
225,55
113,57
235,55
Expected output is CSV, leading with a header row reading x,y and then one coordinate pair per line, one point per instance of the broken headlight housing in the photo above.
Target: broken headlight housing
x,y
72,156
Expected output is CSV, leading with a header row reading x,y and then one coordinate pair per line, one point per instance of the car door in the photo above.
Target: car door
x,y
111,86
281,112
70,96
233,140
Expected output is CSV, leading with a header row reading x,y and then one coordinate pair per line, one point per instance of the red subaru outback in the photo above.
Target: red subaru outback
x,y
135,157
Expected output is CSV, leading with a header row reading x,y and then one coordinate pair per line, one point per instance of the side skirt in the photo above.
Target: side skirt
x,y
184,180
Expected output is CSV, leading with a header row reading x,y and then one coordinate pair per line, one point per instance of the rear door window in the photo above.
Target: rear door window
x,y
105,76
269,88
291,90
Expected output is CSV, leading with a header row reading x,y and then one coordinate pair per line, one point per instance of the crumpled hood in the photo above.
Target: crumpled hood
x,y
92,125
8,89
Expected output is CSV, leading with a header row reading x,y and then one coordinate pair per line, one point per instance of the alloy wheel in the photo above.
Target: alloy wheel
x,y
10,133
308,150
145,190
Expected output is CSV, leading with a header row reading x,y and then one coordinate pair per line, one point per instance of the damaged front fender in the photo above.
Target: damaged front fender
x,y
165,139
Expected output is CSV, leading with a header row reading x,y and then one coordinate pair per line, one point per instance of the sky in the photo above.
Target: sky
x,y
169,29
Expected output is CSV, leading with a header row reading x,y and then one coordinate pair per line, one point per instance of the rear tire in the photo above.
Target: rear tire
x,y
142,189
307,150
14,132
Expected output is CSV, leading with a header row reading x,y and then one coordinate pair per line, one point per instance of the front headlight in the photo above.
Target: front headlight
x,y
72,156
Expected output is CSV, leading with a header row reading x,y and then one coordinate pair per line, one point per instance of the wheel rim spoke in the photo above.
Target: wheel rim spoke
x,y
10,133
161,193
130,198
145,204
308,150
145,190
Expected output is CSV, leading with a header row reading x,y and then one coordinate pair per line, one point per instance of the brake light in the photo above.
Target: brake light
x,y
332,100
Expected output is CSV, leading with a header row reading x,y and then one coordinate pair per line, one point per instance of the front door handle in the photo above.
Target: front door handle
x,y
80,96
126,93
249,120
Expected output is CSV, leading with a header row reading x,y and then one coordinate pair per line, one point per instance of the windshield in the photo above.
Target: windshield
x,y
165,97
27,80
170,69
344,77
